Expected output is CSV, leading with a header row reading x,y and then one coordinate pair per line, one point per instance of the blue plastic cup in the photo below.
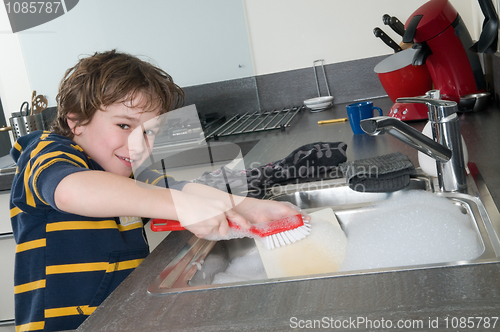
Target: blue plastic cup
x,y
360,111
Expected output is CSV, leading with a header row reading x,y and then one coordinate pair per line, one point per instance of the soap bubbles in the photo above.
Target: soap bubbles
x,y
411,229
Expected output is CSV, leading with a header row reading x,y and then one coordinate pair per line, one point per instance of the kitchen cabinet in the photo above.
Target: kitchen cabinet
x,y
7,252
5,225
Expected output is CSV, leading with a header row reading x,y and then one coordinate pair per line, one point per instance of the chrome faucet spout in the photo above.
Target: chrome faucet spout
x,y
397,128
445,147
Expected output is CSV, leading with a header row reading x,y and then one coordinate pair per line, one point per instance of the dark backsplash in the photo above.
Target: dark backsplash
x,y
225,98
348,81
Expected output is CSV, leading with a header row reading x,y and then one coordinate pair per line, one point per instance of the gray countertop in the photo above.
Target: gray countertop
x,y
411,296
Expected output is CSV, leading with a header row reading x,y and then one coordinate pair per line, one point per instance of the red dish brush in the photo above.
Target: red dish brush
x,y
274,234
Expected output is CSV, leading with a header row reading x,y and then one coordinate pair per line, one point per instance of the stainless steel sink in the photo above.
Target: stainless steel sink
x,y
194,267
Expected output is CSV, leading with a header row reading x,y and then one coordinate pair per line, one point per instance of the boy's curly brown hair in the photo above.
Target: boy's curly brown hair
x,y
106,78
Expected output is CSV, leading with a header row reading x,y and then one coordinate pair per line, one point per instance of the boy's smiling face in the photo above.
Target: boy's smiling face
x,y
119,137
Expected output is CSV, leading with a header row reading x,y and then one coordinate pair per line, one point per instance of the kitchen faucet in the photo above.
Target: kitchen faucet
x,y
446,145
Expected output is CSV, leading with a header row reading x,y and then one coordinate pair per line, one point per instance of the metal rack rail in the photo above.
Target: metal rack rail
x,y
256,122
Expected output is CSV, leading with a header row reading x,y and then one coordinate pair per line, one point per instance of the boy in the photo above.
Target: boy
x,y
70,184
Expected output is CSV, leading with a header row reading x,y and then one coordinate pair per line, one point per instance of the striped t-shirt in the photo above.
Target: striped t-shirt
x,y
66,264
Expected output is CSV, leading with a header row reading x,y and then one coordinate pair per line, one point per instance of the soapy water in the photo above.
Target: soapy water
x,y
415,228
245,268
411,229
316,253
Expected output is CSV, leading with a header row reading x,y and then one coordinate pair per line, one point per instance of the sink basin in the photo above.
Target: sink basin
x,y
197,263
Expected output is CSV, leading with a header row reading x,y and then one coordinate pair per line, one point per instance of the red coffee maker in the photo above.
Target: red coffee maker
x,y
442,42
402,79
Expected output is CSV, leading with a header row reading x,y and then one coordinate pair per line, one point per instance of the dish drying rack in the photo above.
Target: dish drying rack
x,y
319,103
256,122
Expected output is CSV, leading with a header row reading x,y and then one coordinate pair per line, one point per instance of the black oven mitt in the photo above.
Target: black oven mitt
x,y
385,173
308,161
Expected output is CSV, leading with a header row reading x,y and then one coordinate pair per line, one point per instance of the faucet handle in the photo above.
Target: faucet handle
x,y
428,101
433,94
439,109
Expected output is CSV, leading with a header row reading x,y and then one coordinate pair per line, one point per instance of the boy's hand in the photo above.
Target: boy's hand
x,y
203,216
243,211
217,227
258,211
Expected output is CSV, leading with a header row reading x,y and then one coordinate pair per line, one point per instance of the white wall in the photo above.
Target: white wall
x,y
196,41
14,84
284,35
291,34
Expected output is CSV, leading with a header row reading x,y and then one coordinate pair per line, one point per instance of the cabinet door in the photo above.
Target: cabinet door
x,y
5,225
7,251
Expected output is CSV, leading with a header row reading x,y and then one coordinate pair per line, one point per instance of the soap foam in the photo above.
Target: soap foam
x,y
415,228
231,234
244,268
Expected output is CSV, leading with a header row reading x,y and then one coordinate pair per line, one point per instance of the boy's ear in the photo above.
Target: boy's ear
x,y
75,129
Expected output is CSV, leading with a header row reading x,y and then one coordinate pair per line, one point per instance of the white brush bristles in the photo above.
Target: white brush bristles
x,y
287,237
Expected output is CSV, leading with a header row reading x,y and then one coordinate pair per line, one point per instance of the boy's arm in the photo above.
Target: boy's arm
x,y
103,194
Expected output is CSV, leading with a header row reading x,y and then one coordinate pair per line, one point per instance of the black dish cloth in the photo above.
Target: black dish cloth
x,y
385,173
308,161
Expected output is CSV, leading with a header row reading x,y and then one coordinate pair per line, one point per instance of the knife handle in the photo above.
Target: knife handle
x,y
386,39
394,23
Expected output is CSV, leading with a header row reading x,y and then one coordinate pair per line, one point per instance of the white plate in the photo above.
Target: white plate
x,y
318,100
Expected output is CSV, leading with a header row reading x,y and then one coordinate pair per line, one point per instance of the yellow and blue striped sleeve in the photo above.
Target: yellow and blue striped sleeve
x,y
46,163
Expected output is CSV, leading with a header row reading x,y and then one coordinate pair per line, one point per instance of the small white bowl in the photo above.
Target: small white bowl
x,y
318,100
320,106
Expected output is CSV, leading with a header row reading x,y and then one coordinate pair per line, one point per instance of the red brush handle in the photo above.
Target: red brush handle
x,y
265,229
162,225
